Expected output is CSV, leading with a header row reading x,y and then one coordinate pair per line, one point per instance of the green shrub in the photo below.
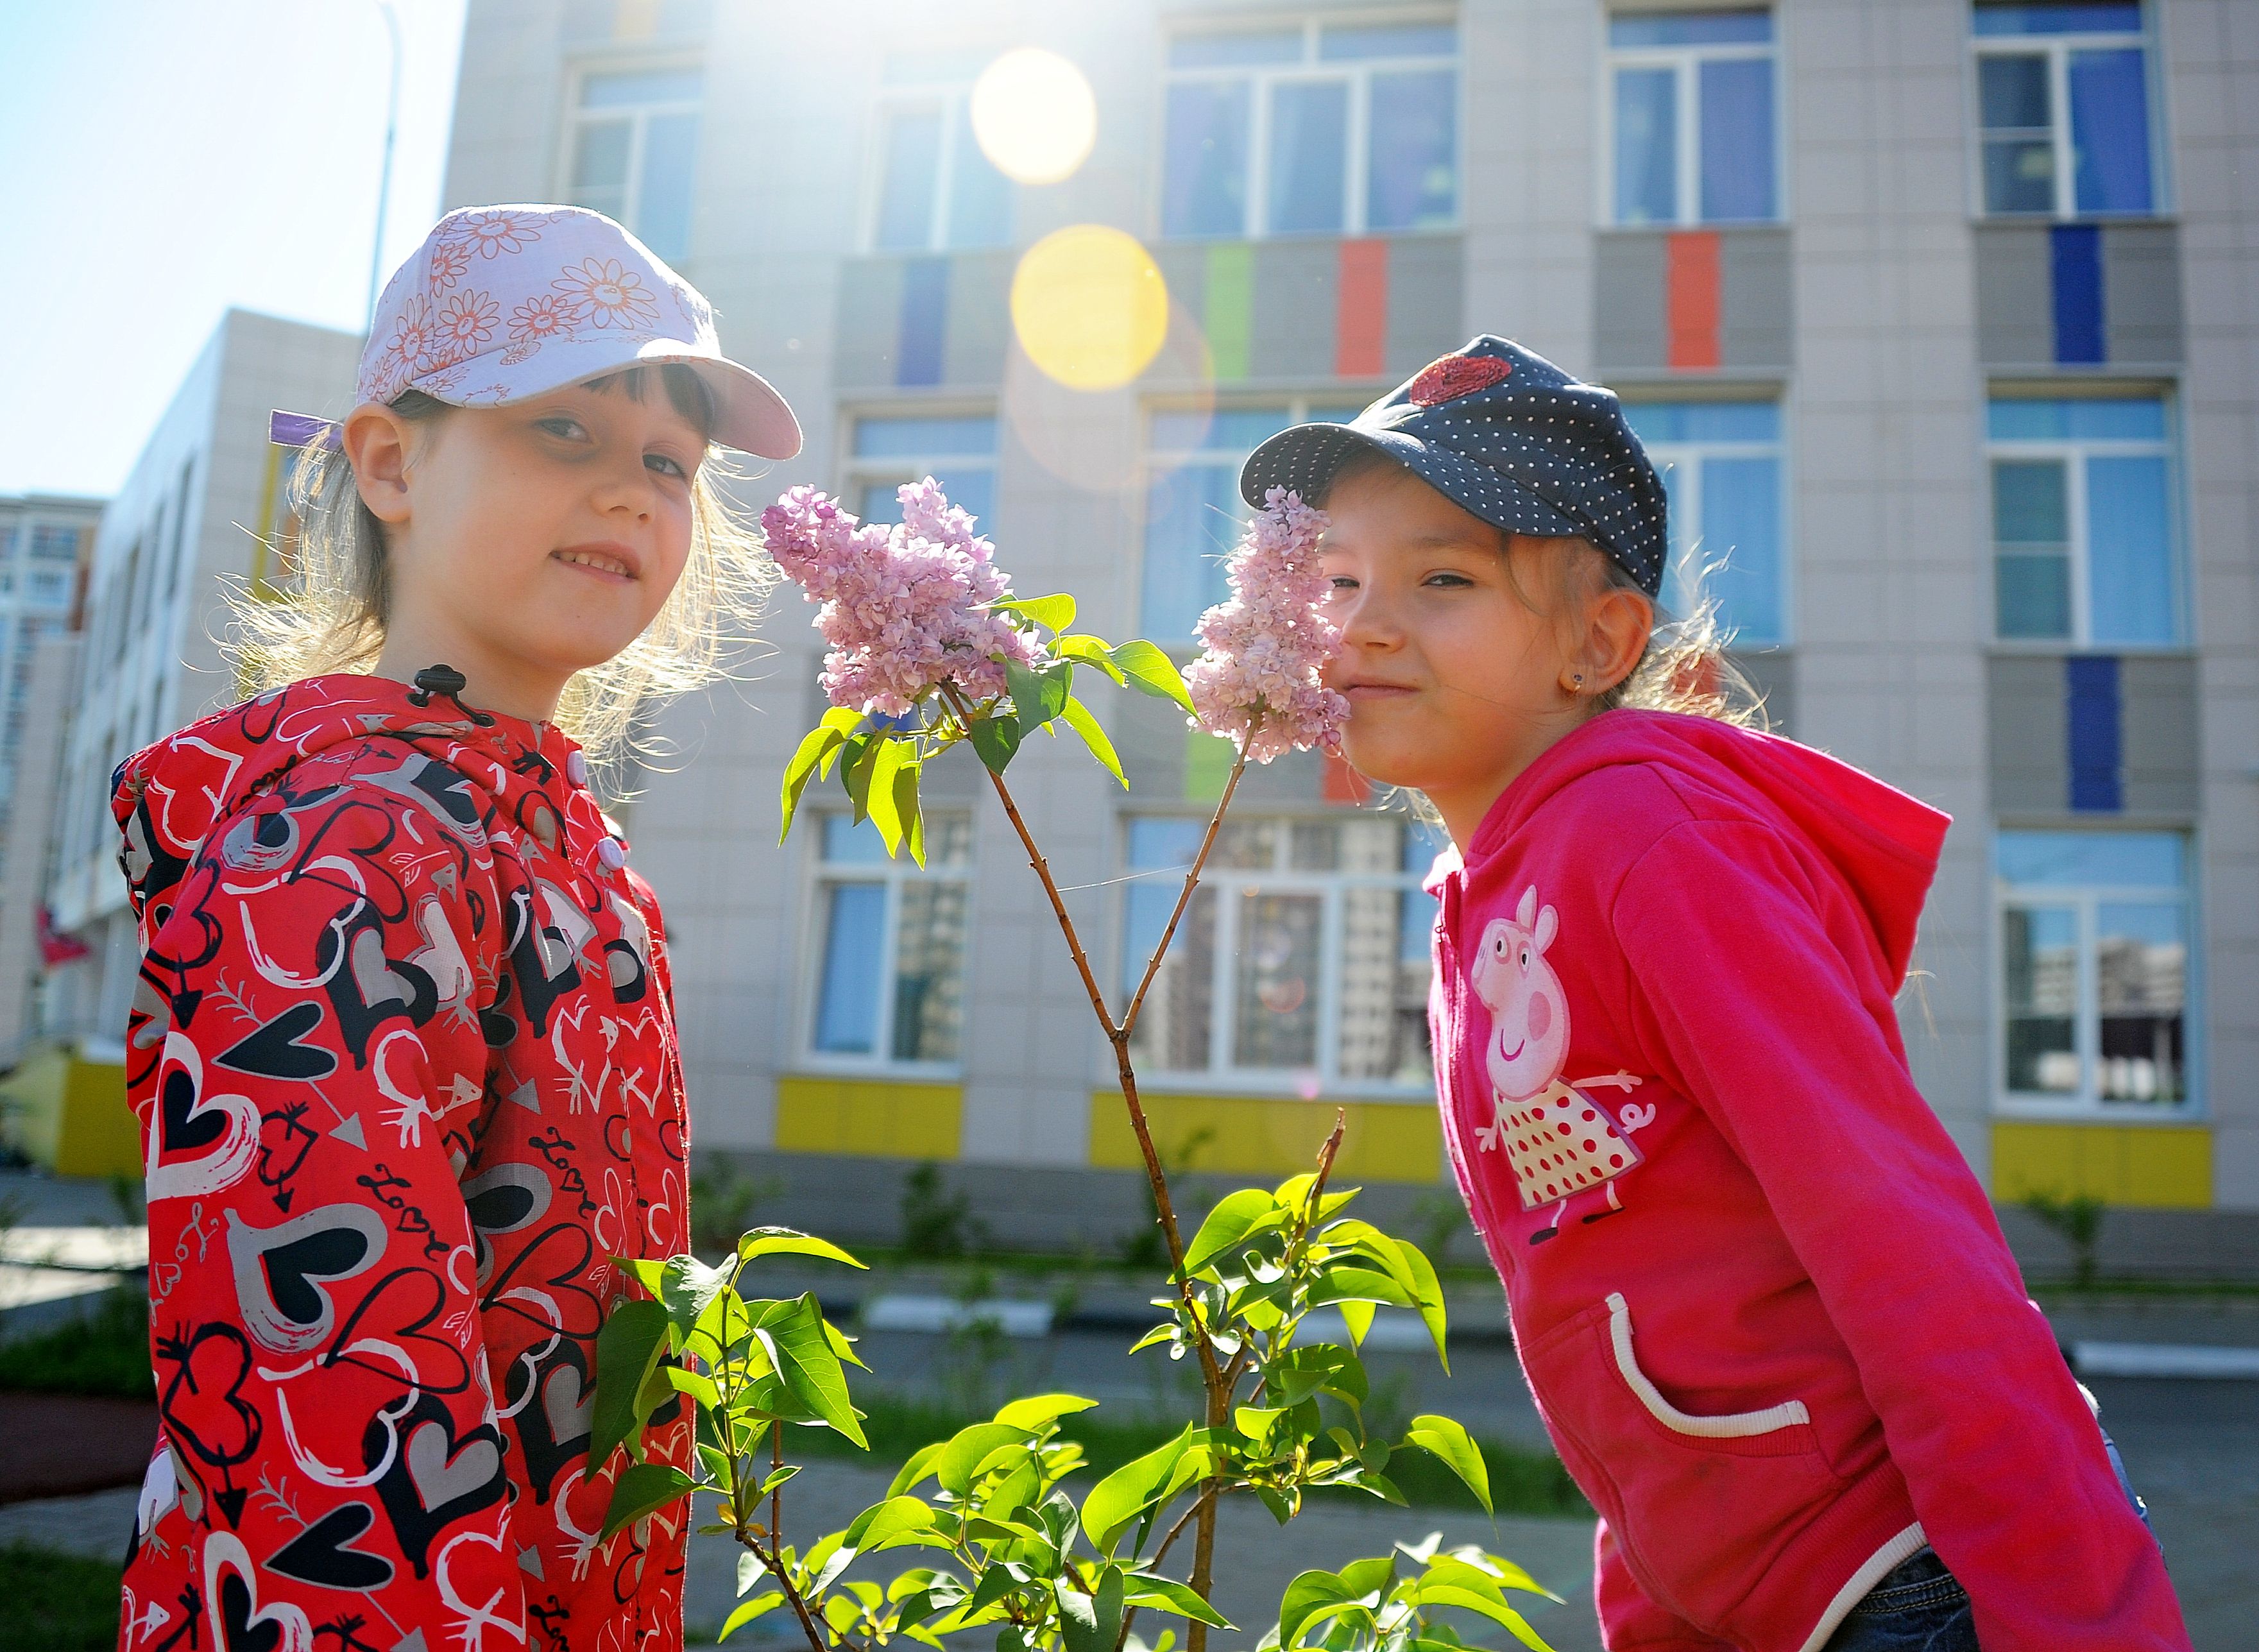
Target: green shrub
x,y
57,1603
104,1352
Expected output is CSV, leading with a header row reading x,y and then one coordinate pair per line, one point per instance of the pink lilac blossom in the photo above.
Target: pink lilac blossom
x,y
904,609
1257,682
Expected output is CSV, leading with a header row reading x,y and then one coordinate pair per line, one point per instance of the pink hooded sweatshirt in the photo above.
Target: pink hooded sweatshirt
x,y
1764,1307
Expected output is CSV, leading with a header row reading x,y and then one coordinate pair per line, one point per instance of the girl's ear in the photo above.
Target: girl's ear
x,y
1617,623
375,441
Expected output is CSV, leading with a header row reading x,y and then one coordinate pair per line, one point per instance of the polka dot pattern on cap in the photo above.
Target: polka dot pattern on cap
x,y
1529,450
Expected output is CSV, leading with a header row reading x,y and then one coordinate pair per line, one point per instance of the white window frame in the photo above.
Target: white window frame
x,y
1686,63
1221,1076
1358,72
1688,456
2085,900
894,873
949,94
2072,452
858,473
638,116
2057,48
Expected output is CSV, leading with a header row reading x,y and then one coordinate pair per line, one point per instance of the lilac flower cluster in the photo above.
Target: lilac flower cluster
x,y
1258,681
905,609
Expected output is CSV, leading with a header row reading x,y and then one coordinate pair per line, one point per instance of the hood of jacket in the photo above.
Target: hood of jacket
x,y
1881,842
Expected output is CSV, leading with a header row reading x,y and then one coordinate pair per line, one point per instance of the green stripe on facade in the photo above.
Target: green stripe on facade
x,y
1207,766
1230,317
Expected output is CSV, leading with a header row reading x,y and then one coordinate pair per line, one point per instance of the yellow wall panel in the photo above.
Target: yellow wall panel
x,y
69,1114
878,1118
2166,1167
1269,1136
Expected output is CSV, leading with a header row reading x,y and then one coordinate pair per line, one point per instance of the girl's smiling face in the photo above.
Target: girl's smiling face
x,y
1457,680
529,542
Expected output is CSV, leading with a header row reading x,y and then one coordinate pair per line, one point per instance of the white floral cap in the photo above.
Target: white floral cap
x,y
501,303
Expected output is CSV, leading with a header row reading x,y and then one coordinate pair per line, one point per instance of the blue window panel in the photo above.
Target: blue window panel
x,y
1388,39
1204,178
1411,173
1193,518
647,86
848,842
1309,156
2104,18
979,197
2102,418
1225,430
2110,131
2106,860
1237,50
1673,422
1647,146
1160,841
924,322
2093,728
670,153
2075,259
1416,924
1737,144
912,173
1741,543
910,438
1691,28
2031,536
2129,551
847,998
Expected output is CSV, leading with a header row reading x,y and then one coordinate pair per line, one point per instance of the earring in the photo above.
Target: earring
x,y
1576,682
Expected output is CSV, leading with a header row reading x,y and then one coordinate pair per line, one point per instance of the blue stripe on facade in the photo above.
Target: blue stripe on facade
x,y
925,322
2094,729
2075,261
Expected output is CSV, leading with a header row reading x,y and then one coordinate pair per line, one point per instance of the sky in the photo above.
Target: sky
x,y
163,159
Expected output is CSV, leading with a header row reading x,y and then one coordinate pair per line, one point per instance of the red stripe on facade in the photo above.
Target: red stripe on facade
x,y
1690,302
1361,313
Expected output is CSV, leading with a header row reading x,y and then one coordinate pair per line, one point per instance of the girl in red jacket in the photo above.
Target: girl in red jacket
x,y
402,1051
1764,1307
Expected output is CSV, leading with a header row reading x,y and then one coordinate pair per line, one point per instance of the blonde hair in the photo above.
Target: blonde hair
x,y
329,615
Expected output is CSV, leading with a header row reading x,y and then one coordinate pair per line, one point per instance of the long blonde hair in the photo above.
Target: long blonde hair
x,y
330,615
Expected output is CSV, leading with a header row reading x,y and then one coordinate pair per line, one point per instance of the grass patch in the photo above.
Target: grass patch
x,y
104,1352
1522,1481
57,1603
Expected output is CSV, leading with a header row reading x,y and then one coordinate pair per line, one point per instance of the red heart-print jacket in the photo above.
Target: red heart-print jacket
x,y
404,1062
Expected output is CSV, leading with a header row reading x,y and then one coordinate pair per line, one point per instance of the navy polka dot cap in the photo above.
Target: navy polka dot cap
x,y
1502,433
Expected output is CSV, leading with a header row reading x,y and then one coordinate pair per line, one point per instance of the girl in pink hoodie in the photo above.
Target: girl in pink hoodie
x,y
1763,1306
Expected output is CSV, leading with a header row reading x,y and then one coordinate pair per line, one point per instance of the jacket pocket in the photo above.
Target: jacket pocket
x,y
1702,1505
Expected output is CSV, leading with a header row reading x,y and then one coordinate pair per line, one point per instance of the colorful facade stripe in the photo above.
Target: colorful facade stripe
x,y
2152,1167
925,330
871,1118
1692,299
1361,311
1230,308
2075,275
2094,727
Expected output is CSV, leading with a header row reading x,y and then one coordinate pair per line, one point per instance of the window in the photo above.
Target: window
x,y
1693,108
1310,128
1302,961
959,453
2094,967
1194,514
2083,522
52,543
889,937
635,146
47,586
936,189
1720,465
2062,100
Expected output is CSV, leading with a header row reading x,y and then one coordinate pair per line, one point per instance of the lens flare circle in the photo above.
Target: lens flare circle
x,y
1090,307
1034,116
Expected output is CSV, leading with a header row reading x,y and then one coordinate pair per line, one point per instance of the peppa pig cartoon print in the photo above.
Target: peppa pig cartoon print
x,y
1560,1142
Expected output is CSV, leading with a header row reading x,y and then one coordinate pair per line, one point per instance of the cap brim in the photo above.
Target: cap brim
x,y
749,415
1304,460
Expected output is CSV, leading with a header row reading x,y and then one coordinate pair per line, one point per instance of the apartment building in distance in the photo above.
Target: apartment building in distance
x,y
1939,315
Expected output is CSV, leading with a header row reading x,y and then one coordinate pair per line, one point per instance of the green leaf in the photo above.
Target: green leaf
x,y
1496,1611
1314,1596
1456,1449
858,760
1114,1502
819,743
751,1609
890,1519
809,1369
1152,671
1427,1295
879,800
1352,1283
996,737
920,1466
1054,613
1038,694
641,1488
751,1570
777,1477
1255,1422
1079,718
686,1285
968,1448
774,1241
1231,1220
1092,1622
1166,1594
1358,1317
907,810
627,1348
1499,1571
647,1271
1038,1409
700,1388
1093,651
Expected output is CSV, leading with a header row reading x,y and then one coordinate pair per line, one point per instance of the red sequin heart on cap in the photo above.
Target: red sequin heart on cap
x,y
1453,377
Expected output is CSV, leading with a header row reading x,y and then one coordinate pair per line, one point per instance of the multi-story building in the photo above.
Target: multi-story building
x,y
1938,313
45,545
202,517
